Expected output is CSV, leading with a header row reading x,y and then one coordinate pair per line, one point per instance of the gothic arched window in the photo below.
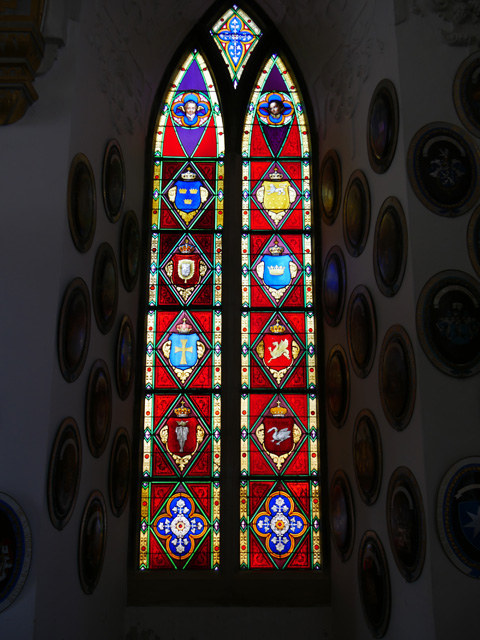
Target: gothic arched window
x,y
230,461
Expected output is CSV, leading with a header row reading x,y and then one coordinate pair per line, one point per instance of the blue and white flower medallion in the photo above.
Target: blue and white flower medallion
x,y
180,526
280,524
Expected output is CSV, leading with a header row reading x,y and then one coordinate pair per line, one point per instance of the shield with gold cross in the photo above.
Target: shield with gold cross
x,y
183,350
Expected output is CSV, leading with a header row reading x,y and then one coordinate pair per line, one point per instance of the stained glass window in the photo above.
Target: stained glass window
x,y
279,494
236,35
277,412
180,502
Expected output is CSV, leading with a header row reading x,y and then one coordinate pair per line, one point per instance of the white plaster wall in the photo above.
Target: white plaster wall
x,y
450,407
369,54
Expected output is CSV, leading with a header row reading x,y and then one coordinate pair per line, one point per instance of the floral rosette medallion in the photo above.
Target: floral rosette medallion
x,y
280,524
181,526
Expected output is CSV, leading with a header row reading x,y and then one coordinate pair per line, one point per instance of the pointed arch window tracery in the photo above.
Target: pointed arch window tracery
x,y
183,468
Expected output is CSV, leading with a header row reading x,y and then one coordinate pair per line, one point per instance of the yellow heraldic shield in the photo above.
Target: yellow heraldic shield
x,y
276,195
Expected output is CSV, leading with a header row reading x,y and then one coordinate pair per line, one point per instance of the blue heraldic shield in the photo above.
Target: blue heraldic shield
x,y
277,271
187,197
183,352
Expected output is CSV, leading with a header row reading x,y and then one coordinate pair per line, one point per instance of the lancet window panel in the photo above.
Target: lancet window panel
x,y
279,502
180,494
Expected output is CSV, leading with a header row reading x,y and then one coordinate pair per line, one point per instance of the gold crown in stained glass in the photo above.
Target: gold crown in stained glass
x,y
276,249
184,327
278,411
277,328
182,411
189,174
275,175
186,247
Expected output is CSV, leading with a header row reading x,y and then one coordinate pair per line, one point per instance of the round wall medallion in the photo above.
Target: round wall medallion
x,y
82,202
361,331
334,286
130,251
448,322
64,473
337,379
92,542
105,287
98,414
397,377
458,509
443,167
119,472
15,550
356,213
466,92
406,523
342,519
74,329
473,240
125,358
113,181
382,126
374,583
330,187
367,456
390,247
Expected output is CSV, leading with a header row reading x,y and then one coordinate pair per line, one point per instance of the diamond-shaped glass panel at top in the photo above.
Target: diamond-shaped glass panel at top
x,y
236,35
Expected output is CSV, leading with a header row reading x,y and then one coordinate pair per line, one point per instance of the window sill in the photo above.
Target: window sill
x,y
248,588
